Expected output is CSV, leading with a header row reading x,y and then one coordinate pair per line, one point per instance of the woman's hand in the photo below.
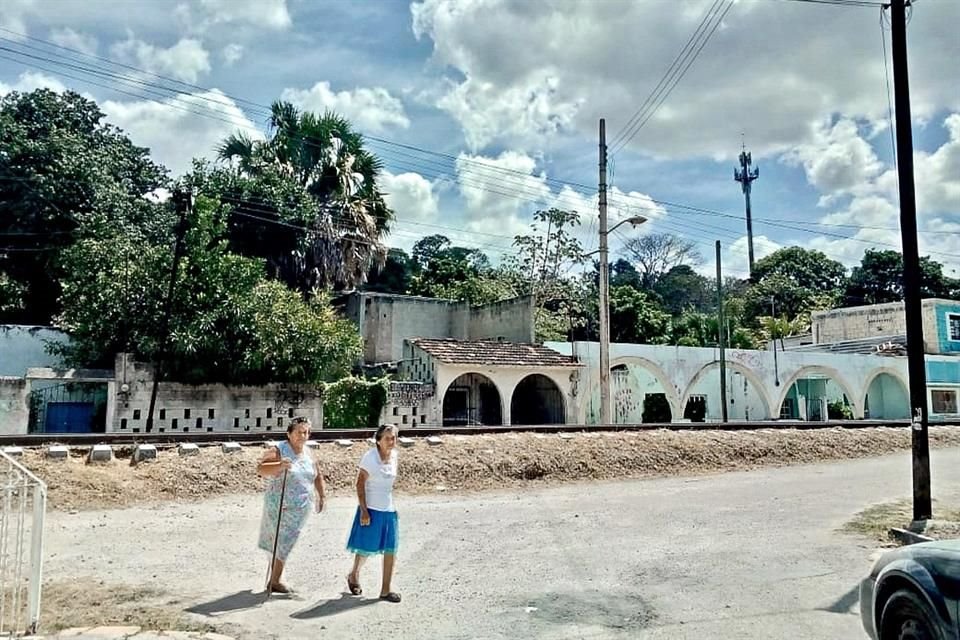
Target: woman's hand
x,y
364,518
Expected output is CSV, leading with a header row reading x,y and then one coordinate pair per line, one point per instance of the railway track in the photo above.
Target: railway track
x,y
252,437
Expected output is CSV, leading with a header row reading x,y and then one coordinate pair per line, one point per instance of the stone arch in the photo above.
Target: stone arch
x,y
537,399
751,377
474,401
655,370
829,372
898,377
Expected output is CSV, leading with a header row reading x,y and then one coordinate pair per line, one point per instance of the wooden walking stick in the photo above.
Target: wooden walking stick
x,y
276,534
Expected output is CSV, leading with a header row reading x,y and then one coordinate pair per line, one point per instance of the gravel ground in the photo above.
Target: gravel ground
x,y
473,463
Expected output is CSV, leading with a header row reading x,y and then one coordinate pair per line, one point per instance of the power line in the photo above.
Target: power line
x,y
674,74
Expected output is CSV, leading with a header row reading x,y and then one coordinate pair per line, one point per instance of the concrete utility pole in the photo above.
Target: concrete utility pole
x,y
605,417
183,201
745,176
722,339
604,311
916,365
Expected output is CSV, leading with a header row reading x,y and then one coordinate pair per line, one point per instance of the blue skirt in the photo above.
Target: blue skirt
x,y
380,536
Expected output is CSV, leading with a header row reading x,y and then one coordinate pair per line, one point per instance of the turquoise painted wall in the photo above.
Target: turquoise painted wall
x,y
943,329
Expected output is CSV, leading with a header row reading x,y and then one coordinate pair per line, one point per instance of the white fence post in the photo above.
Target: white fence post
x,y
21,572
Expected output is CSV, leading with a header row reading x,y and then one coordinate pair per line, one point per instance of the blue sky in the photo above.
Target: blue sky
x,y
521,84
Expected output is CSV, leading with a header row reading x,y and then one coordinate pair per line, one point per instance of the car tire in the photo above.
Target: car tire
x,y
907,616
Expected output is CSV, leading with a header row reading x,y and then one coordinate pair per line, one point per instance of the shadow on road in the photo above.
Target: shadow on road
x,y
346,602
234,602
845,603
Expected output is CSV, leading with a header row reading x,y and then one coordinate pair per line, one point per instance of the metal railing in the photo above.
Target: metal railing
x,y
23,507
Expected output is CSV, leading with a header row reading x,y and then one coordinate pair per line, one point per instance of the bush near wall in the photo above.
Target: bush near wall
x,y
354,403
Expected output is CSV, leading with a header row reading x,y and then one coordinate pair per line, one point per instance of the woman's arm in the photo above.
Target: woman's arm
x,y
271,464
362,496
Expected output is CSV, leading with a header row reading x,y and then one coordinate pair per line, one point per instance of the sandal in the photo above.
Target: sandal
x,y
354,587
279,588
391,597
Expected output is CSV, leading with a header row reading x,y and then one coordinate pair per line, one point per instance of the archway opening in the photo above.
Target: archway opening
x,y
887,399
816,397
636,395
537,400
744,400
472,399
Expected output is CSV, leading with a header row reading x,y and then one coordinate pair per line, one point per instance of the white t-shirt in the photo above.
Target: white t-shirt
x,y
380,478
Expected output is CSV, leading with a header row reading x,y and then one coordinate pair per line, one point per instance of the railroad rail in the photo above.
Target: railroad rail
x,y
254,437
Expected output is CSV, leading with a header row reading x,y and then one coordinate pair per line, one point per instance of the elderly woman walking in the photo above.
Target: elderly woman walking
x,y
294,485
375,528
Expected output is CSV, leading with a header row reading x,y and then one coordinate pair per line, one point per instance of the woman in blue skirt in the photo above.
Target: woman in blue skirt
x,y
375,530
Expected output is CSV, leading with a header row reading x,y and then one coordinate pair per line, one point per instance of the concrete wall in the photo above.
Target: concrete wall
x,y
678,373
14,405
879,320
407,404
386,320
187,408
24,346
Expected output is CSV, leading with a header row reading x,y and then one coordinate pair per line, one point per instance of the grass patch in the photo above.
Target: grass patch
x,y
92,603
875,521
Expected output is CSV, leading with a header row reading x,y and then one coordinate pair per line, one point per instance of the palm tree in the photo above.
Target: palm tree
x,y
340,237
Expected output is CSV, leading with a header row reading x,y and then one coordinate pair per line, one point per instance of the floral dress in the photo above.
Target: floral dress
x,y
298,501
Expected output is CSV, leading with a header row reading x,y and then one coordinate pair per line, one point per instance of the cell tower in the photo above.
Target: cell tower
x,y
745,175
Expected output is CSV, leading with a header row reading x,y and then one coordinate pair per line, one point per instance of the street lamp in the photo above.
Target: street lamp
x,y
605,417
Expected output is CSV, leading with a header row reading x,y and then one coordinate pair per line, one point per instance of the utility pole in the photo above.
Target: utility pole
x,y
916,365
604,285
745,176
776,369
183,201
722,339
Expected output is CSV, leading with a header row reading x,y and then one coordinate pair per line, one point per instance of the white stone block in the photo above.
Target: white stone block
x,y
230,447
406,442
343,442
434,441
14,452
188,449
566,436
313,444
145,452
100,453
58,452
372,442
270,444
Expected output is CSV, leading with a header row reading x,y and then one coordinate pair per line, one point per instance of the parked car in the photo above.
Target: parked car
x,y
913,593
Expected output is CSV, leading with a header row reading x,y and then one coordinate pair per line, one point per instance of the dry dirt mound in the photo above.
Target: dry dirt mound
x,y
474,462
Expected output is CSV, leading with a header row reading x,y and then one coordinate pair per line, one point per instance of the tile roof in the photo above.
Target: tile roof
x,y
493,352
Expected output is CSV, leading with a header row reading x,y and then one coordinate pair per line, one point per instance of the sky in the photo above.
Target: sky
x,y
485,111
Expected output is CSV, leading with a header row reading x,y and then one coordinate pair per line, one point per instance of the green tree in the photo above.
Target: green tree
x,y
794,280
634,318
61,168
395,276
879,279
443,270
681,288
655,254
227,322
314,181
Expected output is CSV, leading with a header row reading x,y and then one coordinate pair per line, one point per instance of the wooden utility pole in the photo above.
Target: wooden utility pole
x,y
722,339
916,365
605,417
183,200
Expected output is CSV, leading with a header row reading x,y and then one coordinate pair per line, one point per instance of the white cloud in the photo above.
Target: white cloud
x,y
572,63
71,39
373,110
232,53
415,204
269,13
837,159
13,14
30,81
187,60
152,124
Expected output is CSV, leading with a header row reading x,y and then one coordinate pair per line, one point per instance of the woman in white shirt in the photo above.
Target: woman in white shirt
x,y
375,529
